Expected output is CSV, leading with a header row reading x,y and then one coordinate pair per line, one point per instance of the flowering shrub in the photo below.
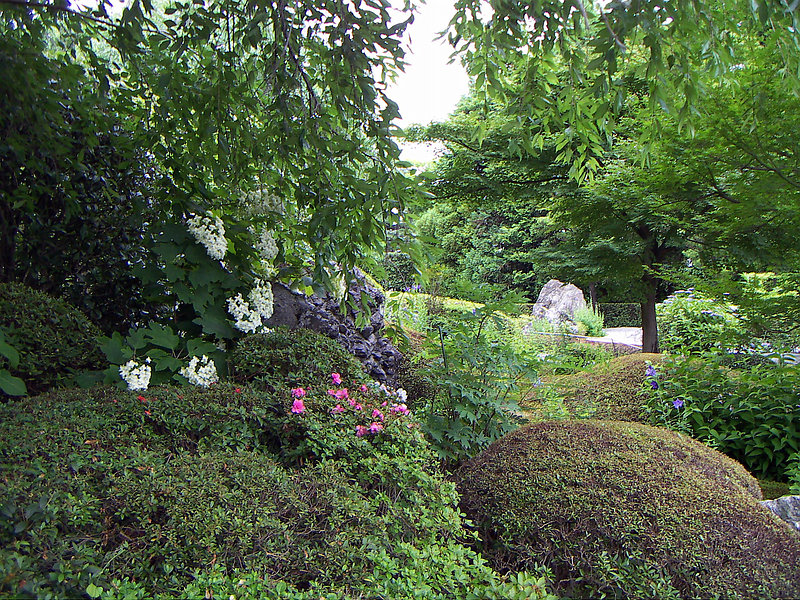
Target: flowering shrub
x,y
201,371
752,415
340,422
690,322
210,232
250,314
135,375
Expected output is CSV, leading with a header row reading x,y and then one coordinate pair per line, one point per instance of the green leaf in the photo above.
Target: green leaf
x,y
13,386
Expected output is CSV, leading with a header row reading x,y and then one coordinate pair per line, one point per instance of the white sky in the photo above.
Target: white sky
x,y
429,89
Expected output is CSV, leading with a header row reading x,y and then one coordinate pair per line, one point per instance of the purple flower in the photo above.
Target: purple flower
x,y
677,403
650,371
654,384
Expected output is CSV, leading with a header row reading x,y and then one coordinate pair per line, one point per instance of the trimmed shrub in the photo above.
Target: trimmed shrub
x,y
288,358
750,415
621,314
629,511
176,492
400,271
613,390
54,340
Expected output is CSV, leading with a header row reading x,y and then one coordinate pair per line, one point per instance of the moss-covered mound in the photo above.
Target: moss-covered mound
x,y
296,357
628,510
613,390
52,338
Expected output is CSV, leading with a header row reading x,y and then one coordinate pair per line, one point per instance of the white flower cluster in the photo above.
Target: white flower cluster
x,y
266,246
136,375
251,313
209,231
261,202
201,371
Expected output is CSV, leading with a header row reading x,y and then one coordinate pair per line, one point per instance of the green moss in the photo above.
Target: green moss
x,y
613,390
290,358
610,505
53,338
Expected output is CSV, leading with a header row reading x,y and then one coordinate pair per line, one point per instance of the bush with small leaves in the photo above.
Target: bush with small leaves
x,y
54,340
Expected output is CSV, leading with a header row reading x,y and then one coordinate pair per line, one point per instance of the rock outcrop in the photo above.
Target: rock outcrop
x,y
558,302
322,314
787,508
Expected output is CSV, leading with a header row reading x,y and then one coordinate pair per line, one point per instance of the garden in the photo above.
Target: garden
x,y
247,352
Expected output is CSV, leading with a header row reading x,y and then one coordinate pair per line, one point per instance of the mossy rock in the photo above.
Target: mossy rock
x,y
627,510
54,339
287,358
613,390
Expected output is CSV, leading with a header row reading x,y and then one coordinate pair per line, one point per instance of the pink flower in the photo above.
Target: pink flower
x,y
337,409
357,406
237,390
342,394
384,403
352,401
147,412
298,407
298,392
376,414
401,409
361,431
337,379
363,388
142,398
375,428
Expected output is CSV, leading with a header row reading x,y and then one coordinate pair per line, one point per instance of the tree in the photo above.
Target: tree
x,y
515,50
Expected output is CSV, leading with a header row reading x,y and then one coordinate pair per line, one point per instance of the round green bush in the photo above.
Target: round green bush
x,y
286,358
628,511
53,339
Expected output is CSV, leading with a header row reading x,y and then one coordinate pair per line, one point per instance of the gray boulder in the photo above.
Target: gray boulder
x,y
787,508
295,310
558,302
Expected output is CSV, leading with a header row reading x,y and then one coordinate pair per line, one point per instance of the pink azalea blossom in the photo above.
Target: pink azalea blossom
x,y
384,403
376,414
401,409
361,431
357,406
342,394
337,379
375,428
298,407
363,388
337,409
352,401
298,392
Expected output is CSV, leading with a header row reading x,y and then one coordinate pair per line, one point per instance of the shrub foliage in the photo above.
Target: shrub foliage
x,y
627,510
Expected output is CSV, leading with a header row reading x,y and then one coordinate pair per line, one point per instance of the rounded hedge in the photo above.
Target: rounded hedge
x,y
292,357
627,510
614,390
53,338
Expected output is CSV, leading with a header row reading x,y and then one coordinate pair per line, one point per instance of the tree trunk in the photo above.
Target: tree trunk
x,y
649,326
8,235
593,295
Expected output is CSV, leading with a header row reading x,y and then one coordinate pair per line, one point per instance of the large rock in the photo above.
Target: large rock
x,y
787,508
322,314
558,302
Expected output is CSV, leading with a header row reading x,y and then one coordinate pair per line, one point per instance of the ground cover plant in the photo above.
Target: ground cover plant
x,y
627,510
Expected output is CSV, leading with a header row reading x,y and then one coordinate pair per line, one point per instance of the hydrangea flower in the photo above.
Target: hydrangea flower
x,y
201,371
298,407
210,232
136,375
251,313
266,246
